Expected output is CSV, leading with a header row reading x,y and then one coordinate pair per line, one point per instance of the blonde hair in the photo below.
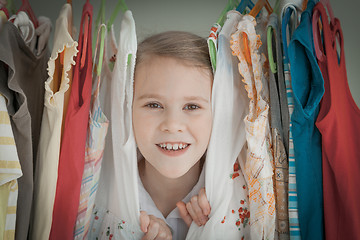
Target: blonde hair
x,y
184,46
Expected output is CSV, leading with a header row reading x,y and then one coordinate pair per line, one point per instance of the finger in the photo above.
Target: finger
x,y
153,230
203,202
202,219
184,213
164,232
144,221
192,213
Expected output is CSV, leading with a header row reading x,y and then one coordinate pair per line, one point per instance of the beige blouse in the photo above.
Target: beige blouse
x,y
259,160
56,87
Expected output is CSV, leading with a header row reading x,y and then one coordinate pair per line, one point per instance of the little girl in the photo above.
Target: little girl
x,y
172,122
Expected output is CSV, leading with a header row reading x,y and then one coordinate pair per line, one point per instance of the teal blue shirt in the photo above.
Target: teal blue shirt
x,y
308,89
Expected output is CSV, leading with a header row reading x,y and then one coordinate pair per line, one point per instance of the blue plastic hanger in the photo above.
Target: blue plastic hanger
x,y
244,4
284,24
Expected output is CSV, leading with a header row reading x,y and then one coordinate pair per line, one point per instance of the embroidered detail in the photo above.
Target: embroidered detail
x,y
244,216
236,172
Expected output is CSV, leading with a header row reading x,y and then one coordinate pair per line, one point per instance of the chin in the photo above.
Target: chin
x,y
174,173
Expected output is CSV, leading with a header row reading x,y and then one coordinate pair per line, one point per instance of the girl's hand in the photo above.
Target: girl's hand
x,y
197,210
154,228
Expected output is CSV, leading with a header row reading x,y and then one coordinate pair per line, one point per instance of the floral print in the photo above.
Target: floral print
x,y
106,226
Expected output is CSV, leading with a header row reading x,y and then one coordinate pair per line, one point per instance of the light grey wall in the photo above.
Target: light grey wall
x,y
197,16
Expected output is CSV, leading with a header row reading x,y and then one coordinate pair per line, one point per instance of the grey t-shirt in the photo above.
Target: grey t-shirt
x,y
22,77
279,111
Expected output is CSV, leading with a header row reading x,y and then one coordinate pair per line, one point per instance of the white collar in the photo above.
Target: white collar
x,y
148,205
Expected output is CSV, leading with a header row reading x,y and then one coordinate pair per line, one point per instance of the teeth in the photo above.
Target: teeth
x,y
174,147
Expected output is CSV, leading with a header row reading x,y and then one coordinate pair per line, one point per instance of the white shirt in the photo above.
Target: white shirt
x,y
173,220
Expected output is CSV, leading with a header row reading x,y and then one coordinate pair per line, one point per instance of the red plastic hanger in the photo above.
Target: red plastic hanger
x,y
88,10
27,8
317,29
6,12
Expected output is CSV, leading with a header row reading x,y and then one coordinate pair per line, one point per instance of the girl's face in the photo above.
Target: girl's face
x,y
172,116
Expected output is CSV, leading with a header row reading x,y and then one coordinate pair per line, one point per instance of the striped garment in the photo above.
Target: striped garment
x,y
95,144
293,199
10,171
293,206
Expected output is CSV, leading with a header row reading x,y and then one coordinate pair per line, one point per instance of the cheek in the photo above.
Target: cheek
x,y
143,126
203,127
138,123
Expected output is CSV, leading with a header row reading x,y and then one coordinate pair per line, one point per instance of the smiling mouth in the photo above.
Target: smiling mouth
x,y
173,147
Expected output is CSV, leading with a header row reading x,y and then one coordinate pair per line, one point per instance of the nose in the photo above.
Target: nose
x,y
172,122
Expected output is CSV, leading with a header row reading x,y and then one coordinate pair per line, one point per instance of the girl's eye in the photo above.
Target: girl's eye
x,y
153,105
191,107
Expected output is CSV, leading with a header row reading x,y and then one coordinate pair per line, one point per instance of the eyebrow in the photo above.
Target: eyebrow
x,y
188,98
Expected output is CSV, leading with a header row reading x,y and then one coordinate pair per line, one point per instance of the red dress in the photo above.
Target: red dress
x,y
339,124
72,151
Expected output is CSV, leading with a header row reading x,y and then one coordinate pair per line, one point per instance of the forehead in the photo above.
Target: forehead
x,y
169,76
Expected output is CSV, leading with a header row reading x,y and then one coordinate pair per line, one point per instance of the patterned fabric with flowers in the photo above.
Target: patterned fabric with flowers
x,y
258,166
239,211
106,226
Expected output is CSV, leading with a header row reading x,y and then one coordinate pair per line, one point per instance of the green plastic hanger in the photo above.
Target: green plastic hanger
x,y
100,18
229,6
212,48
10,7
212,53
102,38
119,6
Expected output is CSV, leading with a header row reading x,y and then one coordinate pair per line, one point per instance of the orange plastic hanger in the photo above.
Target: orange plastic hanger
x,y
69,1
27,8
255,11
304,5
259,5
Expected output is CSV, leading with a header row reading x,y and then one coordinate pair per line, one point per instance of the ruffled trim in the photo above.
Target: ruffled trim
x,y
69,47
70,53
257,104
